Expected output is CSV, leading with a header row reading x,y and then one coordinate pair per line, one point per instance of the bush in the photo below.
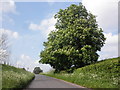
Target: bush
x,y
37,70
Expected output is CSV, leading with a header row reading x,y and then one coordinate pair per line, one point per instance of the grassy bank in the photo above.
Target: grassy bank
x,y
103,74
0,76
13,77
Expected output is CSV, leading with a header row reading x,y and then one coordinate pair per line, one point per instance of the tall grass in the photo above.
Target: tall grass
x,y
13,77
104,74
0,76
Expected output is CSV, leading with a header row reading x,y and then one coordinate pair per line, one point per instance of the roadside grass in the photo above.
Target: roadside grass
x,y
103,74
13,78
0,76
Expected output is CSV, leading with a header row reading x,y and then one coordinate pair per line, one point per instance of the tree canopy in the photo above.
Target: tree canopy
x,y
75,41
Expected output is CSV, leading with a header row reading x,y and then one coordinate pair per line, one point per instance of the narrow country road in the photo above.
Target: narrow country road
x,y
42,81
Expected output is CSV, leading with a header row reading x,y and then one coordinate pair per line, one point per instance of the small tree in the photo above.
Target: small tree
x,y
4,48
75,41
37,70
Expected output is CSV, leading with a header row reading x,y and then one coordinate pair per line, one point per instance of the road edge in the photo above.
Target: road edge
x,y
67,82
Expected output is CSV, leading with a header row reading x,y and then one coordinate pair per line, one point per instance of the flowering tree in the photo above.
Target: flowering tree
x,y
75,41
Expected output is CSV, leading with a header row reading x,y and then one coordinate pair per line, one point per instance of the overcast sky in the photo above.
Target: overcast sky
x,y
29,23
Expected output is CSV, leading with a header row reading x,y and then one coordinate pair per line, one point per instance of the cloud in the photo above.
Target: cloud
x,y
51,2
106,12
8,6
7,19
110,48
29,63
10,33
107,18
24,61
45,26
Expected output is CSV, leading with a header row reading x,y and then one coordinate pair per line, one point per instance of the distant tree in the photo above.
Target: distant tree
x,y
75,41
37,70
24,69
4,48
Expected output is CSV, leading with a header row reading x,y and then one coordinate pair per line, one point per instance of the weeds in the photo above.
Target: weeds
x,y
103,74
15,77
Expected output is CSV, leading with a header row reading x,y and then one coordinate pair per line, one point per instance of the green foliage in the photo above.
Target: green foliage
x,y
103,74
37,70
13,77
75,41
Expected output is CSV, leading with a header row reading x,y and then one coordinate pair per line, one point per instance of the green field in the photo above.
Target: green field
x,y
13,77
103,74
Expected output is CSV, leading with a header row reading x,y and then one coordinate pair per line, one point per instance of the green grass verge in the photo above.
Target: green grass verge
x,y
103,74
0,76
13,77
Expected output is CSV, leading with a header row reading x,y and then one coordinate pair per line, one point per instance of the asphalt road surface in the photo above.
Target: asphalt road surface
x,y
42,81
